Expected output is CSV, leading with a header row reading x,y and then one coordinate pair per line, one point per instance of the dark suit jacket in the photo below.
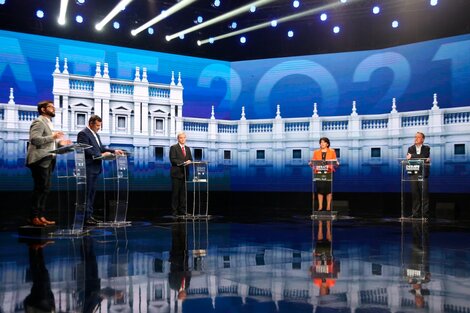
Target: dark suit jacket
x,y
176,158
86,136
425,153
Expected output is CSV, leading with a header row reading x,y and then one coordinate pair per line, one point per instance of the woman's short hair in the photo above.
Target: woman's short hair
x,y
325,139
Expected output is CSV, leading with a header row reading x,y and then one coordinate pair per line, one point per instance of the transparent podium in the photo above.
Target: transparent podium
x,y
71,175
412,177
116,190
197,189
322,178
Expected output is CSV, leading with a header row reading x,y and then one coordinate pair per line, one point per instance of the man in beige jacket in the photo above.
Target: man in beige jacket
x,y
42,139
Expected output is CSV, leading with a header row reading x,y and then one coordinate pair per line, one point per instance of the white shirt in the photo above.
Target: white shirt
x,y
418,149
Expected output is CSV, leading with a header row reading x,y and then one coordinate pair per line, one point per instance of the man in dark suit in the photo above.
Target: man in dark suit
x,y
180,156
419,189
89,136
42,139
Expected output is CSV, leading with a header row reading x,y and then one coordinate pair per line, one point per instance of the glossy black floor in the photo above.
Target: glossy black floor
x,y
286,263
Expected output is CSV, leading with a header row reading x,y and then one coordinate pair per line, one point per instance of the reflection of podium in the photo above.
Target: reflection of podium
x,y
322,177
116,185
412,174
198,243
324,265
197,190
71,174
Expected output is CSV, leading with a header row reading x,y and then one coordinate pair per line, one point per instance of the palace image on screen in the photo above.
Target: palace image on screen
x,y
256,122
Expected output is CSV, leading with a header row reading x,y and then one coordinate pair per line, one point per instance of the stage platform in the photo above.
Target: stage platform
x,y
285,262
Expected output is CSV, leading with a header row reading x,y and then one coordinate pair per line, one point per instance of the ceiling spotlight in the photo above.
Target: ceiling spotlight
x,y
395,24
40,13
79,19
323,17
336,29
290,34
80,2
198,42
150,30
344,1
233,25
433,2
216,3
274,23
181,36
2,2
242,39
116,25
376,10
211,40
198,20
252,9
296,4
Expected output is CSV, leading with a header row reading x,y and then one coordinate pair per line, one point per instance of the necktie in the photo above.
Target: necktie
x,y
184,151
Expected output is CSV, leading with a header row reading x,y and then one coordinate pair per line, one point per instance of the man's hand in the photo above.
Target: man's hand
x,y
408,156
119,152
187,162
105,154
58,135
65,142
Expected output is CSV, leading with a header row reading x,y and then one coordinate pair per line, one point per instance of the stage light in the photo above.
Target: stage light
x,y
164,14
199,19
336,29
376,10
242,39
323,17
121,6
344,1
211,40
2,2
290,34
217,3
181,36
150,30
62,12
296,4
395,24
79,19
253,9
273,23
268,23
433,2
223,17
40,13
116,25
80,2
233,25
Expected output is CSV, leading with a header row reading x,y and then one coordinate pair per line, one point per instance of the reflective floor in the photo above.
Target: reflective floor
x,y
289,264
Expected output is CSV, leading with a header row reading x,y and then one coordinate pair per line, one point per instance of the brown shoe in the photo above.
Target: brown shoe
x,y
37,222
46,222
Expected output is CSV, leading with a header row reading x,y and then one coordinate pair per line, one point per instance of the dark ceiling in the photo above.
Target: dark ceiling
x,y
360,29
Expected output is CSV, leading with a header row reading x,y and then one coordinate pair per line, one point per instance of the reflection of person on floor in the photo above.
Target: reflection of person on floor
x,y
417,273
92,295
179,276
41,298
324,269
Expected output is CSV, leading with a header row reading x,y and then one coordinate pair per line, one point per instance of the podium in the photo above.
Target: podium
x,y
413,172
71,173
196,177
322,176
116,184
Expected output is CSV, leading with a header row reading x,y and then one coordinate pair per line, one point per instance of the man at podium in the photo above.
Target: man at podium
x,y
93,159
419,189
42,140
180,156
325,153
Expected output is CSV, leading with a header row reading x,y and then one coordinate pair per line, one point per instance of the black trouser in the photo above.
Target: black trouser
x,y
178,196
91,182
42,184
420,198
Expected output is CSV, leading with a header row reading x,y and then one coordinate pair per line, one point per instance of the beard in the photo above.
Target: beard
x,y
51,114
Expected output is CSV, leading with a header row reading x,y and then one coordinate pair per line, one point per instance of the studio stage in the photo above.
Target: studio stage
x,y
278,262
